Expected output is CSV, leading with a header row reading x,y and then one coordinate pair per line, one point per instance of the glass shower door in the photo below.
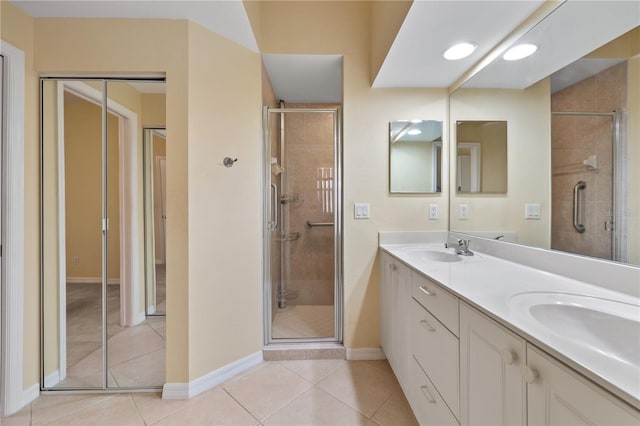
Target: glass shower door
x,y
304,296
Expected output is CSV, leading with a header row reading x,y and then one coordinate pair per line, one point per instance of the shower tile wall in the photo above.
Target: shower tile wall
x,y
574,139
309,157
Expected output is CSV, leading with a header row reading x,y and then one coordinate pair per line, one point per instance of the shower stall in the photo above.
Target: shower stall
x,y
588,141
302,223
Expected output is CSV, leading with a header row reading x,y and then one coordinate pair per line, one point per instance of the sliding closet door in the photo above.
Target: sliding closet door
x,y
95,331
72,235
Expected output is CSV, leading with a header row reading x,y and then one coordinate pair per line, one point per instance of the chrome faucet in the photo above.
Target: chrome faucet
x,y
462,247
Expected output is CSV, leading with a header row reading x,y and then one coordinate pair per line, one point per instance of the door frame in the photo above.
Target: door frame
x,y
13,392
267,204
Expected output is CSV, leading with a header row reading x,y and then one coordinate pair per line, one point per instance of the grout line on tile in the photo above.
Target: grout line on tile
x,y
243,407
382,405
136,407
76,411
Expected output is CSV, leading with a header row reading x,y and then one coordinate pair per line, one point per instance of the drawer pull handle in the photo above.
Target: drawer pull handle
x,y
509,356
426,325
427,394
530,375
425,291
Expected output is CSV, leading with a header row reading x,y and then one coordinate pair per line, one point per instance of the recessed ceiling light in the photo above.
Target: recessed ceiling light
x,y
520,51
459,51
414,132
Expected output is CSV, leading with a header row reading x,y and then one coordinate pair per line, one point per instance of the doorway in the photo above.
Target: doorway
x,y
95,334
586,161
303,223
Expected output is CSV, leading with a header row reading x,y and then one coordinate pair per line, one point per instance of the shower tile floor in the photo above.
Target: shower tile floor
x,y
310,392
299,321
136,355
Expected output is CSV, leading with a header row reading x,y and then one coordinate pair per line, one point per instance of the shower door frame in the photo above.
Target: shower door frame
x,y
338,299
619,195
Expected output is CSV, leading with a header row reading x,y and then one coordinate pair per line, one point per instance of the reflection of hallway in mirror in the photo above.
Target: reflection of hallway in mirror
x,y
136,355
161,289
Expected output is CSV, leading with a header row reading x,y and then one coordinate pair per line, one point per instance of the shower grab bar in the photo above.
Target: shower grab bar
x,y
274,207
309,224
578,206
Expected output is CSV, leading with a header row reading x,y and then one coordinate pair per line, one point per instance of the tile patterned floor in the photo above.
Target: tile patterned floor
x,y
303,321
310,392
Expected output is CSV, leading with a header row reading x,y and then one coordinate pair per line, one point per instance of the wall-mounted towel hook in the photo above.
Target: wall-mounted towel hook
x,y
228,161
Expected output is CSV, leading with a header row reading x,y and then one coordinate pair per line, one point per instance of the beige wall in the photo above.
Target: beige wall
x,y
17,28
528,158
154,109
386,19
310,27
412,165
225,226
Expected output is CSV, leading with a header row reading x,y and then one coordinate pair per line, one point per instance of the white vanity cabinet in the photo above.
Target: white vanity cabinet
x,y
493,390
559,396
457,365
395,295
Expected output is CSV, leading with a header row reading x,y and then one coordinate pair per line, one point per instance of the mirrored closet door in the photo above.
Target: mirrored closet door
x,y
95,330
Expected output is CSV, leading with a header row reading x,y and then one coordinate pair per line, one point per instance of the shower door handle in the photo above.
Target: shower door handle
x,y
578,206
274,208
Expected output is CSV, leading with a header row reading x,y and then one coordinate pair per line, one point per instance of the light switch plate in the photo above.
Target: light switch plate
x,y
361,210
532,211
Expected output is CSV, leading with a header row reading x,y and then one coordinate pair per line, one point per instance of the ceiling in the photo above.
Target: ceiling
x,y
227,18
566,35
415,56
431,27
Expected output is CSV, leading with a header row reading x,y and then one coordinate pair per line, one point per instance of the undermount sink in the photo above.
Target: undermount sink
x,y
610,328
428,254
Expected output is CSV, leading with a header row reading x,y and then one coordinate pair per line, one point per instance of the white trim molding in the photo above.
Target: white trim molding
x,y
13,398
362,354
210,380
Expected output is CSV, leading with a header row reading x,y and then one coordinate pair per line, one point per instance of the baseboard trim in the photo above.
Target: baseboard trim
x,y
210,380
52,379
362,354
30,394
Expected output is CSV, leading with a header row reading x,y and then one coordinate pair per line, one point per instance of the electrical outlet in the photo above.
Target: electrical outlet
x,y
433,211
463,211
76,260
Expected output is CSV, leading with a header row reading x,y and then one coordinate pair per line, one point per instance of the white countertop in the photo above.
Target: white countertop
x,y
495,286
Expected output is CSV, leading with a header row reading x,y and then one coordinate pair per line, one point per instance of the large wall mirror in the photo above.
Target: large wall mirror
x,y
573,135
415,156
96,332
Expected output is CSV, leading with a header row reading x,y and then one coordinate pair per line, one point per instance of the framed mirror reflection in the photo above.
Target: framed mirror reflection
x,y
481,156
415,156
96,333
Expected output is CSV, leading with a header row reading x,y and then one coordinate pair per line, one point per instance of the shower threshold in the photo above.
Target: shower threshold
x,y
304,350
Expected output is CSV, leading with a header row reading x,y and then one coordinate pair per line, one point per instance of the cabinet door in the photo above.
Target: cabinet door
x,y
402,324
387,278
492,386
559,396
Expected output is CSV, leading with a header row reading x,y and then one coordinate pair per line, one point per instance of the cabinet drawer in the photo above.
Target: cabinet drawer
x,y
436,350
427,404
442,304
